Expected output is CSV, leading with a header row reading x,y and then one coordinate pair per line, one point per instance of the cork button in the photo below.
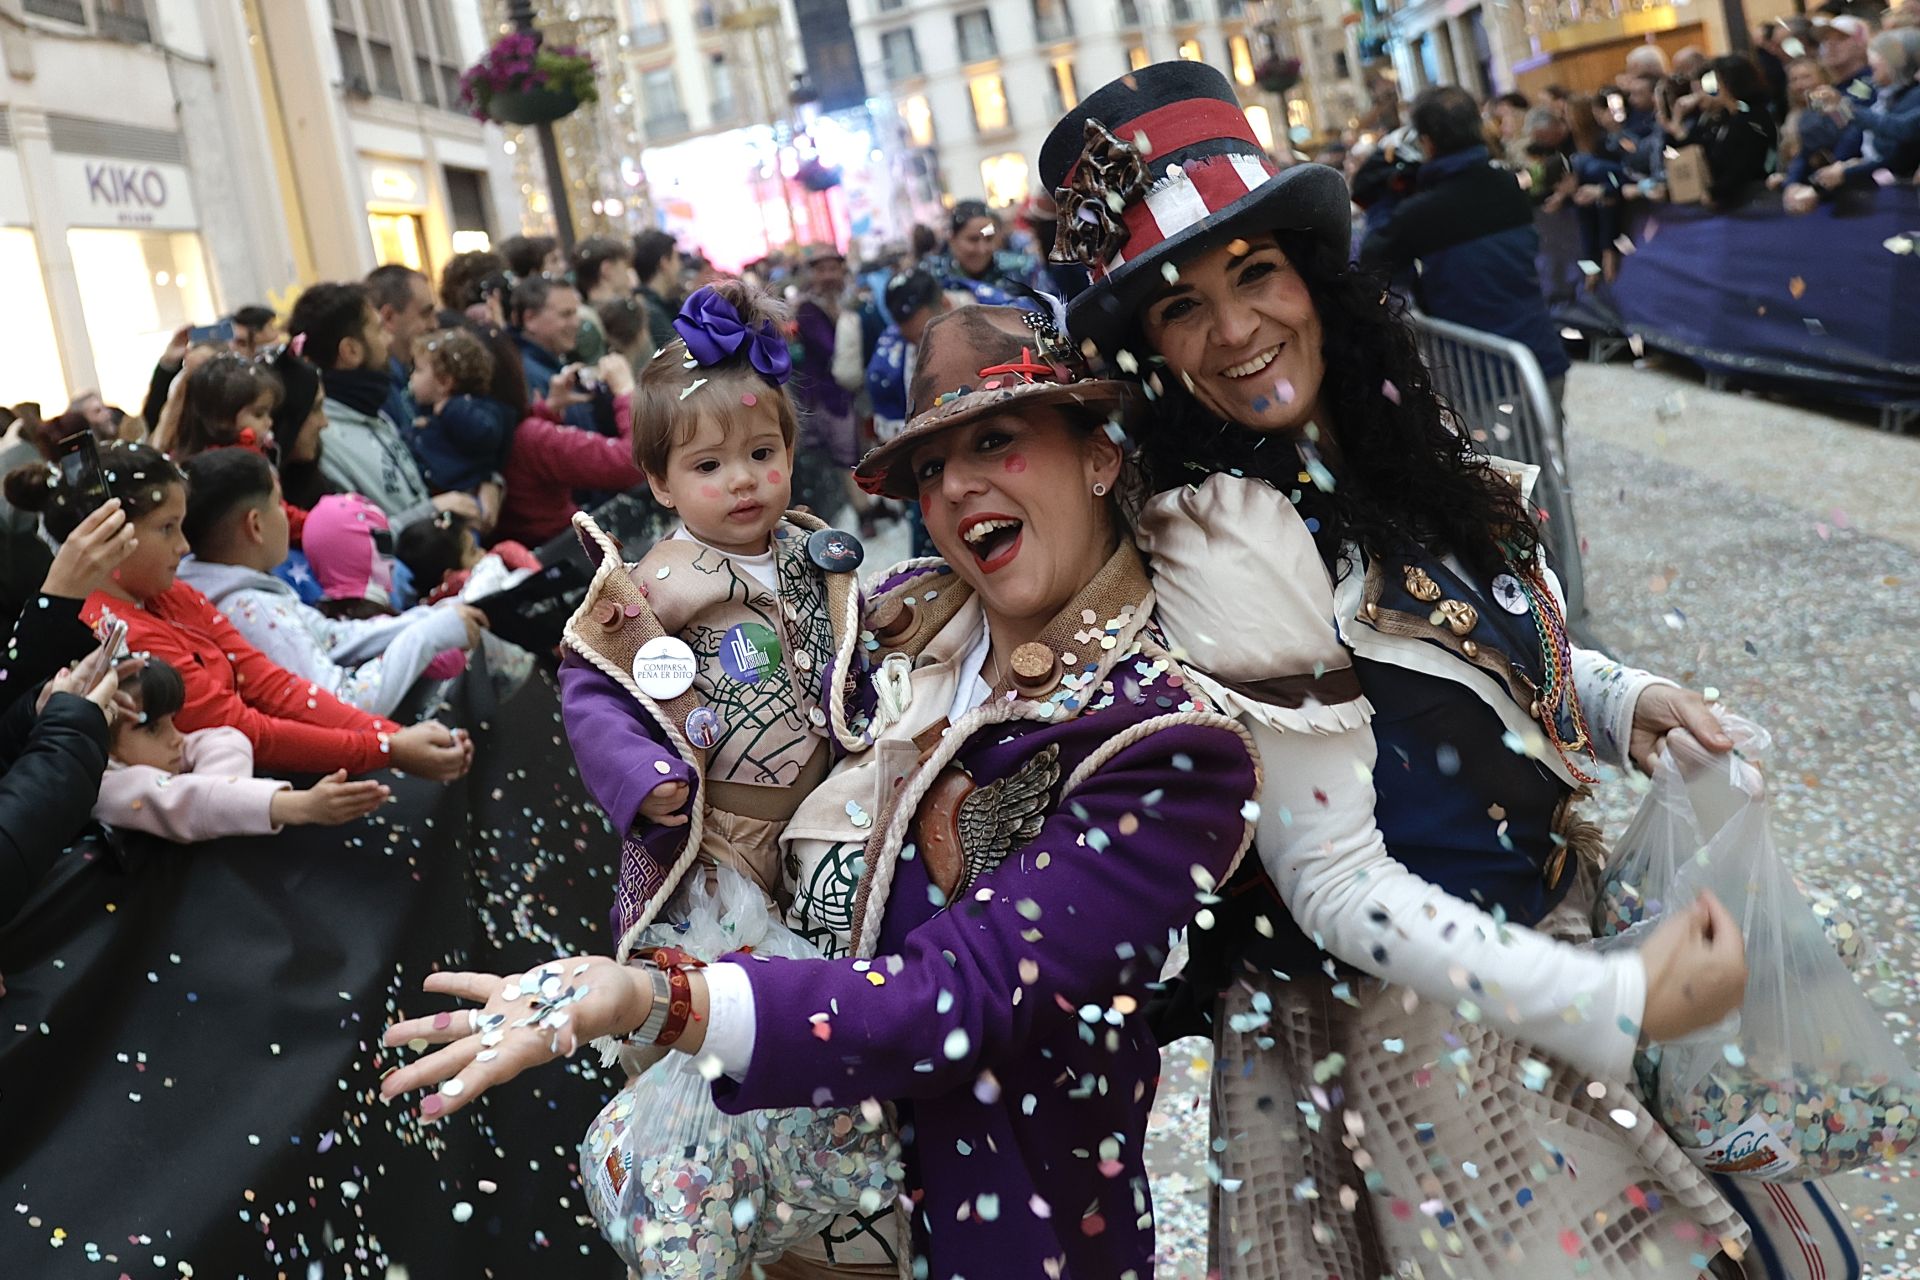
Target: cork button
x,y
891,620
632,610
1036,668
608,615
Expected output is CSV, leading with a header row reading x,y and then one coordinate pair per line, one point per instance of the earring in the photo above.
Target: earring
x,y
1099,490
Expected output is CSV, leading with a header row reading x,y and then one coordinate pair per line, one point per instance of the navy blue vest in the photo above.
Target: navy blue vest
x,y
1456,805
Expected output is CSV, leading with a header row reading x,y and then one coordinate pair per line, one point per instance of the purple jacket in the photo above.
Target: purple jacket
x,y
1008,1028
813,383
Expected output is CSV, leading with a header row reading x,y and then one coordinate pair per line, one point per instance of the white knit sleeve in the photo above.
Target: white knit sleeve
x,y
1322,850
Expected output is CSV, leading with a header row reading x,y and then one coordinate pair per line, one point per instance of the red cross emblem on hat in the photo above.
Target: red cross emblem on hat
x,y
1025,366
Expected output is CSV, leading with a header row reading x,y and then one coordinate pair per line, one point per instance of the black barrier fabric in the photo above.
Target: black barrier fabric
x,y
1824,302
189,1058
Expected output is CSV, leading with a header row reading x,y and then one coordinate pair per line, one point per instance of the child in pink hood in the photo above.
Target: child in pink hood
x,y
200,786
349,546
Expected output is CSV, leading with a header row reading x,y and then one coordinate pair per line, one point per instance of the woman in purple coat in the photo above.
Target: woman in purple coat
x,y
1045,798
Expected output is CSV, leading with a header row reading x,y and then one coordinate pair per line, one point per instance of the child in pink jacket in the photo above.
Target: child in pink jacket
x,y
200,786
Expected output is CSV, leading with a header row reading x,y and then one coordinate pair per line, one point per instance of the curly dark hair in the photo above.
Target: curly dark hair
x,y
1402,474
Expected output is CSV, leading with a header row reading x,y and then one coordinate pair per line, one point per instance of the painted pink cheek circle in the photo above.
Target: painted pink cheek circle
x,y
1016,463
774,477
710,491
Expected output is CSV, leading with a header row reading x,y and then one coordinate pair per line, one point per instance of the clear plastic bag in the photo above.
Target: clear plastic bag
x,y
1804,1081
681,1189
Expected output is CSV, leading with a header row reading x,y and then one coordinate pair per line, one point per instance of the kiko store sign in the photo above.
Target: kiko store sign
x,y
136,194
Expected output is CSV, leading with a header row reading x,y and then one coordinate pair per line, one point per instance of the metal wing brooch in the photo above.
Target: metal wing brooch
x,y
965,831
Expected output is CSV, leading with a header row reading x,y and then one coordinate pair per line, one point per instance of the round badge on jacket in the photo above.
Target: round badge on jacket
x,y
1509,594
703,727
664,667
749,652
835,550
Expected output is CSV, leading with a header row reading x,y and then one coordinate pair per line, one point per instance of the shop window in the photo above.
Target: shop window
x,y
1066,91
1190,50
1262,125
918,118
398,237
1003,179
975,29
1138,57
136,288
899,54
989,102
1130,15
26,328
1241,56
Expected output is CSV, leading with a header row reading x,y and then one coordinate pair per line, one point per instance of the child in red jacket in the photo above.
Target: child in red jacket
x,y
295,726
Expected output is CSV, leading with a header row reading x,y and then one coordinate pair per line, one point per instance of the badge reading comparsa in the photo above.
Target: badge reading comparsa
x,y
664,667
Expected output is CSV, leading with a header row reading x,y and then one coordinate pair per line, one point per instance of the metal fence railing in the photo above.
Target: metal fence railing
x,y
1495,388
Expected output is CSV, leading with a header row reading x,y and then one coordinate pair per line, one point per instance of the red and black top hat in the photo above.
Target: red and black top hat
x,y
1157,166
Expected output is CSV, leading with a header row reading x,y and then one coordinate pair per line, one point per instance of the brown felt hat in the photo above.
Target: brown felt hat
x,y
974,362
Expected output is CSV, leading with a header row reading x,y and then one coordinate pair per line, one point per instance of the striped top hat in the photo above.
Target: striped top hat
x,y
1158,166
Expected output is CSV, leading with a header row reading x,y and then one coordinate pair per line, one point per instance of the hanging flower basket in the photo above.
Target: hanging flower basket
x,y
522,81
1277,75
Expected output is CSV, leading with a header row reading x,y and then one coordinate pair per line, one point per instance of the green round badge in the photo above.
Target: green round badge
x,y
750,652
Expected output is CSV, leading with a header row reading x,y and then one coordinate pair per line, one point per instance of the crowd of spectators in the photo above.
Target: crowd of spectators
x,y
1819,106
251,574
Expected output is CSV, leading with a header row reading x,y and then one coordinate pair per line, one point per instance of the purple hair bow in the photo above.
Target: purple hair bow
x,y
713,331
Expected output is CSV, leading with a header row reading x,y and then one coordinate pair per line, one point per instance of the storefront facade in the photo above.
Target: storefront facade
x,y
220,156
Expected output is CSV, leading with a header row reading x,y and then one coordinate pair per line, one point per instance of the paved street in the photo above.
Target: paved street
x,y
1773,553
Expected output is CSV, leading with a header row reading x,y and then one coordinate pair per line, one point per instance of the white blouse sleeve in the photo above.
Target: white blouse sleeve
x,y
730,1019
1326,857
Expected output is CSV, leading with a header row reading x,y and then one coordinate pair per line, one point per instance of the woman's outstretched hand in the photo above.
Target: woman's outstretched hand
x,y
526,1020
1662,708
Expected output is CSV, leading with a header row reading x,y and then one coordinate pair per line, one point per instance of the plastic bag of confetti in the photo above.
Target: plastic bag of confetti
x,y
1804,1081
682,1190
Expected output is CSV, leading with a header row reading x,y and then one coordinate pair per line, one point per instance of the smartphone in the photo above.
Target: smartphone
x,y
1617,107
220,332
94,485
112,634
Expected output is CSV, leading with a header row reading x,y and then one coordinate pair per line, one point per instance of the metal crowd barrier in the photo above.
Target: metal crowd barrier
x,y
1495,387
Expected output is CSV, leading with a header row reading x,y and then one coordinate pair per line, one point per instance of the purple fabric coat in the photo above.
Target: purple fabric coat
x,y
1009,1029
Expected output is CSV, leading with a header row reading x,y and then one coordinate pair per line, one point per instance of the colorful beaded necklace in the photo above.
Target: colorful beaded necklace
x,y
1557,693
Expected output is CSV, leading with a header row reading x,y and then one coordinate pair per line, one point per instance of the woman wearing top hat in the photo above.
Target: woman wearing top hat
x,y
1045,795
1369,594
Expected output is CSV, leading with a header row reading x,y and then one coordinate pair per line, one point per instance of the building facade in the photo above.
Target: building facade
x,y
163,162
975,85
